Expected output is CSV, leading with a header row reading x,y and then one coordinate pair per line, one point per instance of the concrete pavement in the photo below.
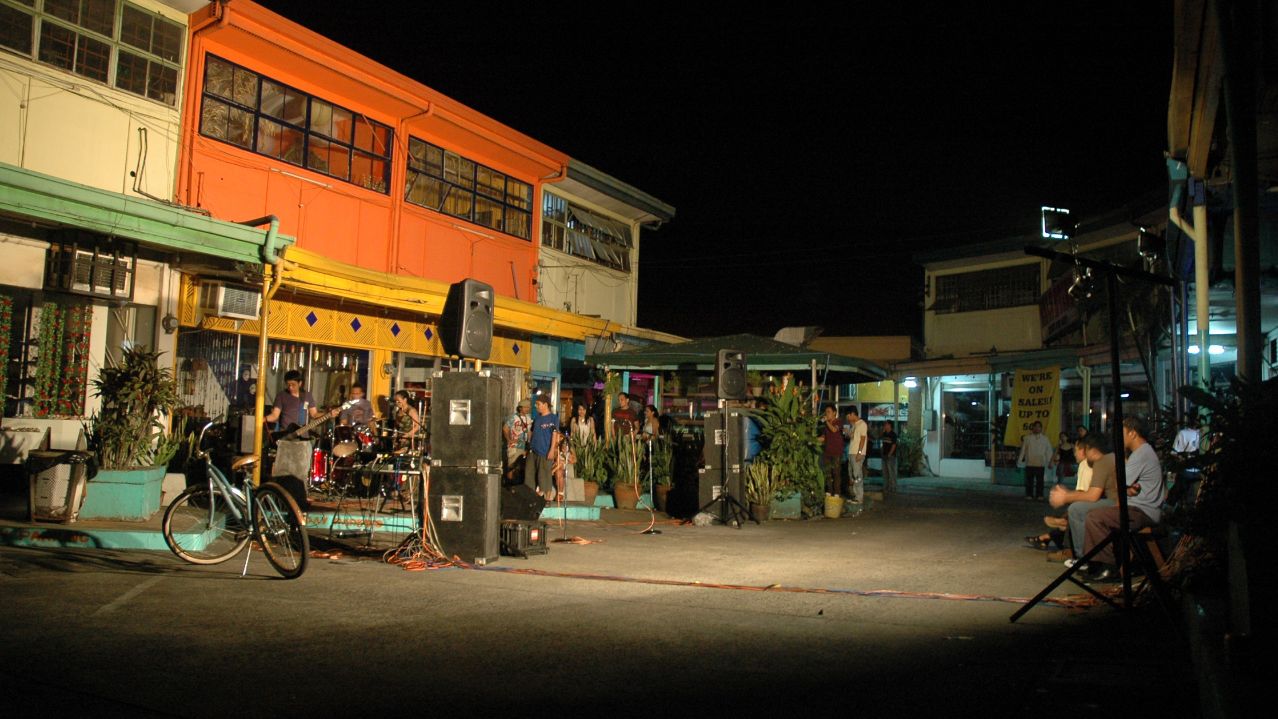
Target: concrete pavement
x,y
132,633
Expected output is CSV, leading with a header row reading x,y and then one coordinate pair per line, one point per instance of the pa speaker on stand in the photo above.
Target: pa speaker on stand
x,y
466,327
730,374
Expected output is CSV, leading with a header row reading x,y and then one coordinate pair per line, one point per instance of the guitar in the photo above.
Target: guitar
x,y
295,430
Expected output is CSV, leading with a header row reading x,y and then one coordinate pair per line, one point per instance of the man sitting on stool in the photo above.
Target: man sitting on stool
x,y
1100,493
1145,496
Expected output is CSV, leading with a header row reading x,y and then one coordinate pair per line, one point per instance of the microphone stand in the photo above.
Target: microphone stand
x,y
651,491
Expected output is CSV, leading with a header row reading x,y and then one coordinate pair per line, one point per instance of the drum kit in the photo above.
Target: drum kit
x,y
365,461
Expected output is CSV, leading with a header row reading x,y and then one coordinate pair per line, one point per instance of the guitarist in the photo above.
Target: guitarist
x,y
293,405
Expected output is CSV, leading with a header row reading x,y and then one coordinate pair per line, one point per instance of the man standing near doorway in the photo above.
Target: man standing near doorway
x,y
1036,454
858,440
515,430
539,469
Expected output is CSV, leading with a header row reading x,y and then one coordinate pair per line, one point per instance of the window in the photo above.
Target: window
x,y
580,232
987,289
447,182
108,41
261,115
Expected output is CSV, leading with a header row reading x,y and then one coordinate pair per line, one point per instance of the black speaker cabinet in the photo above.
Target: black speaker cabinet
x,y
465,419
465,513
709,486
730,374
466,327
520,502
731,439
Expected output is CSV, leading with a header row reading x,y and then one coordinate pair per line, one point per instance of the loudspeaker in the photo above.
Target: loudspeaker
x,y
466,327
710,483
730,374
465,419
520,502
736,437
464,513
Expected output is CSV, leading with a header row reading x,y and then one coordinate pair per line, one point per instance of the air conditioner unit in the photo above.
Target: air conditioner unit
x,y
222,300
100,275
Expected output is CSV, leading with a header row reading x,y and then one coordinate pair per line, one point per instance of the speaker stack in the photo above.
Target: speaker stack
x,y
465,426
725,452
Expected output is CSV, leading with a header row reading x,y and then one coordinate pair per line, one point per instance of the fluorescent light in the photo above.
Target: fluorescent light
x,y
910,383
1193,349
1216,350
1125,395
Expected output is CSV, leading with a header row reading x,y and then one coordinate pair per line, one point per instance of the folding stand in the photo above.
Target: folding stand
x,y
732,512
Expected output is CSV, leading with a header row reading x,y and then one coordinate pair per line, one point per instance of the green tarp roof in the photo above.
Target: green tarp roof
x,y
762,354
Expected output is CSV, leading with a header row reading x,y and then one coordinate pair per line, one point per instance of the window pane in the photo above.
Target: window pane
x,y
416,153
488,213
343,124
273,99
239,127
217,78
130,72
328,157
166,40
425,191
371,137
435,160
321,118
15,29
213,119
92,58
518,194
458,203
245,88
135,28
95,15
162,84
276,140
519,223
369,172
490,183
57,45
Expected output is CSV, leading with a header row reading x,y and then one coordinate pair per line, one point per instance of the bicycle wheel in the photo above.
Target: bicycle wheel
x,y
282,530
201,528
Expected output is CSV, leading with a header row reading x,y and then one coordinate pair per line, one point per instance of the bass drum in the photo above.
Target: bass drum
x,y
345,441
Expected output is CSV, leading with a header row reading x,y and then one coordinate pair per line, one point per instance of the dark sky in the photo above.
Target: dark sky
x,y
808,150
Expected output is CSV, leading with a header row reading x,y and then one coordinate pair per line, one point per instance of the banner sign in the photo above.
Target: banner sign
x,y
1036,397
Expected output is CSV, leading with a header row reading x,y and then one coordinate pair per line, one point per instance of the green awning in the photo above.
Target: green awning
x,y
762,354
50,200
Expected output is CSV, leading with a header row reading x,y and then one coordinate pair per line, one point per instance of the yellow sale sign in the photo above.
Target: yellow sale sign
x,y
1036,397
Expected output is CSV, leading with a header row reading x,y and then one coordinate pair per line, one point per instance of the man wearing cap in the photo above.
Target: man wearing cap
x,y
515,430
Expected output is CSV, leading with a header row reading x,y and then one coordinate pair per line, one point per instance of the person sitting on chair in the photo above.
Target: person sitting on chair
x,y
1100,492
408,424
361,412
1146,493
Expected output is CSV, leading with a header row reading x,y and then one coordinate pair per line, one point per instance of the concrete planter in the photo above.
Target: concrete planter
x,y
127,494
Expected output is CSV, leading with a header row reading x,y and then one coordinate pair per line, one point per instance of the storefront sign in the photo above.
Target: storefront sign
x,y
1036,397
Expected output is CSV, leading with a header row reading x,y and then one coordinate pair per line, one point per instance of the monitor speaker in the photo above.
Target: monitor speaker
x,y
465,419
465,513
466,327
730,374
520,502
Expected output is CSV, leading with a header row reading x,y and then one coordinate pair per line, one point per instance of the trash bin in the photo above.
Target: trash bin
x,y
58,479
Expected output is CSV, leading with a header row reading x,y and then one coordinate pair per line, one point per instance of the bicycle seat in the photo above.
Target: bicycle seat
x,y
245,462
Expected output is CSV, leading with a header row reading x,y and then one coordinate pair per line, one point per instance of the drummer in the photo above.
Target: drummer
x,y
360,411
408,424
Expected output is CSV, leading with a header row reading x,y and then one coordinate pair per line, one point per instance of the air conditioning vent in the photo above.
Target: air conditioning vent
x,y
223,300
102,273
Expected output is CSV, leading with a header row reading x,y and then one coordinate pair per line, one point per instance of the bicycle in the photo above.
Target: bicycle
x,y
210,523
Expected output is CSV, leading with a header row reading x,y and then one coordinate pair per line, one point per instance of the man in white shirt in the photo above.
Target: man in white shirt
x,y
858,433
1036,454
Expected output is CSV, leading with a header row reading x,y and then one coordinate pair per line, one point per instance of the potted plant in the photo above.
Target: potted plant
x,y
590,466
624,454
787,431
763,486
661,462
129,439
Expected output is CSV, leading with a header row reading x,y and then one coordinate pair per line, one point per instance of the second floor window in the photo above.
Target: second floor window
x,y
987,289
261,115
580,232
449,183
112,42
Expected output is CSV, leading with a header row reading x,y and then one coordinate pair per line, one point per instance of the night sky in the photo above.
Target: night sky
x,y
807,155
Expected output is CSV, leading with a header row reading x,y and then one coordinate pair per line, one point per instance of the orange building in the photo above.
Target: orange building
x,y
392,191
361,164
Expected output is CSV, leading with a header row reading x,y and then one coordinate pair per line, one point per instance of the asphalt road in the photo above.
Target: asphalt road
x,y
114,633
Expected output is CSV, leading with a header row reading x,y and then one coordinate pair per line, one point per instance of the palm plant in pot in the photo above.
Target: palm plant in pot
x,y
661,464
129,437
590,466
624,453
763,487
